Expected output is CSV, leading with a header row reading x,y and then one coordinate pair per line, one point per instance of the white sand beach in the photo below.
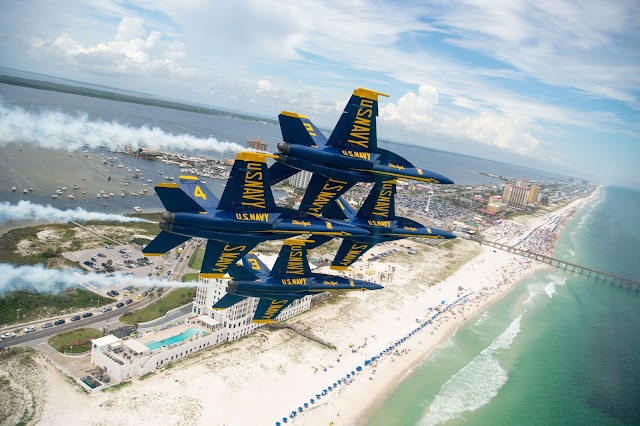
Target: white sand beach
x,y
263,377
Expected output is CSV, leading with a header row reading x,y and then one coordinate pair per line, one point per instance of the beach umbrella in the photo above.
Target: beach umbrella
x,y
293,414
367,362
330,388
348,375
284,419
313,401
340,381
277,423
353,372
335,385
318,395
306,405
358,368
300,409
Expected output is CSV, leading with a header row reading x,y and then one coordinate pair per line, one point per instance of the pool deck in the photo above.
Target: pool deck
x,y
157,336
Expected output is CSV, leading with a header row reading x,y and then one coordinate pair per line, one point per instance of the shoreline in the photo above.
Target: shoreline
x,y
368,407
207,387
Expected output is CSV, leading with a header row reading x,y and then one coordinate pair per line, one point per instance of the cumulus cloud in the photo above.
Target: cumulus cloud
x,y
133,50
55,129
416,112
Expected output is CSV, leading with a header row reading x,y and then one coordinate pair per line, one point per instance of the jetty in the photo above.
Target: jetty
x,y
605,277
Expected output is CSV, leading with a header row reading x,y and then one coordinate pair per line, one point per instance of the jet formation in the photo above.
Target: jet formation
x,y
246,213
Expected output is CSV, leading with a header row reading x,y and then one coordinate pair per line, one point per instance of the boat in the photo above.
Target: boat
x,y
75,186
122,194
98,195
169,178
13,188
111,194
134,194
26,191
149,180
30,189
104,204
137,209
64,188
54,196
105,195
84,192
58,191
121,166
71,196
137,170
102,191
84,178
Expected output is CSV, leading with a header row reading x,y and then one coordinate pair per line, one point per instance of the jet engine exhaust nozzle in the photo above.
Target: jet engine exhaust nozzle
x,y
284,148
168,217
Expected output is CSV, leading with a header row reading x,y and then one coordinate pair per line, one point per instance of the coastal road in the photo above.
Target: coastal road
x,y
101,319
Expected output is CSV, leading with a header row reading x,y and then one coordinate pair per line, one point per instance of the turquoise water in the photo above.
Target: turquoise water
x,y
558,349
171,340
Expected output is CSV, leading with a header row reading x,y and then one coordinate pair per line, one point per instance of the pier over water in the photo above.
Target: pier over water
x,y
613,280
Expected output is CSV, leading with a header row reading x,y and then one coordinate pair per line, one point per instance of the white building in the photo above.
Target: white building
x,y
300,179
205,327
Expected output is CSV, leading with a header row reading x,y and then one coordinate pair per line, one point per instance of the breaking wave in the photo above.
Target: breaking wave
x,y
474,385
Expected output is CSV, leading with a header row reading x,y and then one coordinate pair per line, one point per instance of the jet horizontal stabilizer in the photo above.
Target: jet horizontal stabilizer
x,y
164,242
227,301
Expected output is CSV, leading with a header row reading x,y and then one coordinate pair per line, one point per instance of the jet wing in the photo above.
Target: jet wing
x,y
321,192
220,256
292,261
248,185
356,128
348,253
268,309
227,301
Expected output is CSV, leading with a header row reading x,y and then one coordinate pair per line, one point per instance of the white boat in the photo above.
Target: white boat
x,y
134,194
64,188
84,192
105,195
121,166
137,209
30,189
54,196
14,189
75,186
98,195
149,180
137,170
26,191
58,191
169,178
122,194
71,196
102,191
84,178
111,194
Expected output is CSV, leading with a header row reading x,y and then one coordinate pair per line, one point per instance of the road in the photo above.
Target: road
x,y
101,319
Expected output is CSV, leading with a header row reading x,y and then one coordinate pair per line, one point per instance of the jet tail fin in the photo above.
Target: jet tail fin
x,y
299,130
292,260
199,192
269,309
248,185
380,203
356,128
164,242
175,199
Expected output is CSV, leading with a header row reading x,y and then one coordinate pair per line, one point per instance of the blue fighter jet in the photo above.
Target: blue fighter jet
x,y
290,279
350,155
377,215
245,216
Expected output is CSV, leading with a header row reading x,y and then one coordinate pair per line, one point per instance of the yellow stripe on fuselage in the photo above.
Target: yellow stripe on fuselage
x,y
167,185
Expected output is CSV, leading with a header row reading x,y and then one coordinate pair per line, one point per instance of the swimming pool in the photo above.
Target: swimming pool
x,y
171,340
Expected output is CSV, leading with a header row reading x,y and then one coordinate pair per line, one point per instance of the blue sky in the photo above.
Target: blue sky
x,y
549,84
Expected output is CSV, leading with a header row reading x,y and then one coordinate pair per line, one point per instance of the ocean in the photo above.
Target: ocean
x,y
559,348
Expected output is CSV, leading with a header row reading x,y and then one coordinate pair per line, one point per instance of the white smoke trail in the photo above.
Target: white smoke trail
x,y
57,130
27,211
43,280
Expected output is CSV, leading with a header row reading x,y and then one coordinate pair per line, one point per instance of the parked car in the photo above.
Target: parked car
x,y
145,294
7,335
47,325
129,301
59,322
115,293
106,309
75,318
28,329
87,315
120,305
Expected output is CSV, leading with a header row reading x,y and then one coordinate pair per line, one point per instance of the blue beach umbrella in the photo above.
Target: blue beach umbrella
x,y
277,423
305,405
300,409
367,362
313,401
284,419
348,375
340,381
335,385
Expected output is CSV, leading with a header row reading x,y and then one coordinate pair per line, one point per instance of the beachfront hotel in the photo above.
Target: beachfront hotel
x,y
159,345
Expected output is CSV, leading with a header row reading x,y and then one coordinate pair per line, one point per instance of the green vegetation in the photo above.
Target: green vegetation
x,y
117,387
195,261
9,252
85,91
74,341
175,299
41,305
190,277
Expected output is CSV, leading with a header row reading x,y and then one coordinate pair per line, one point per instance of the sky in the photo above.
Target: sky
x,y
550,84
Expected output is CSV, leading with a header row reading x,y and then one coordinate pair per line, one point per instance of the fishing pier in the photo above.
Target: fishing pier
x,y
613,280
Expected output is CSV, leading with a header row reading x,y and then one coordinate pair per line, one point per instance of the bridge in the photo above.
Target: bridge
x,y
613,280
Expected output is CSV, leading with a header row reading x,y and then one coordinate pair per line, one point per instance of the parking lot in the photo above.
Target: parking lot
x,y
124,260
